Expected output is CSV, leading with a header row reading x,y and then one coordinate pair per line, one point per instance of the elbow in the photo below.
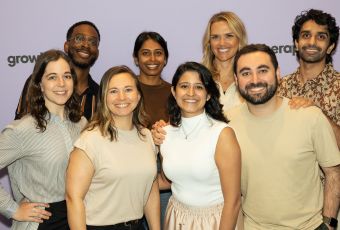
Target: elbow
x,y
233,204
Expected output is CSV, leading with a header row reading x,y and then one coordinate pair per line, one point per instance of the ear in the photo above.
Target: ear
x,y
173,92
278,74
66,47
236,80
296,45
165,62
330,48
135,59
139,97
208,97
41,88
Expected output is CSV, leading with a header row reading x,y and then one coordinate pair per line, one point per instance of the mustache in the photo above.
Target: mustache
x,y
256,85
311,47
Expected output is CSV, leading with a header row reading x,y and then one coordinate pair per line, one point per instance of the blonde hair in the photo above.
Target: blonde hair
x,y
237,27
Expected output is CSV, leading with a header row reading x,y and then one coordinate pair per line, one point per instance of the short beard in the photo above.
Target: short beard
x,y
271,90
82,65
312,59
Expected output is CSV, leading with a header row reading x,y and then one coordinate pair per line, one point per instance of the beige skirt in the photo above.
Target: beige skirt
x,y
183,217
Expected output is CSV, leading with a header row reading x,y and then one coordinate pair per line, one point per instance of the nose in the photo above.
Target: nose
x,y
85,42
152,57
255,78
312,40
222,40
61,81
121,95
191,91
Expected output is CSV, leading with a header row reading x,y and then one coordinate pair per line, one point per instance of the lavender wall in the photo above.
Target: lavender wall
x,y
30,27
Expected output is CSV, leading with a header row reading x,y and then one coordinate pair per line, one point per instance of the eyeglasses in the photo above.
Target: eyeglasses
x,y
80,38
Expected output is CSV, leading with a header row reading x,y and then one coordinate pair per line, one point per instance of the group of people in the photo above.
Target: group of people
x,y
234,152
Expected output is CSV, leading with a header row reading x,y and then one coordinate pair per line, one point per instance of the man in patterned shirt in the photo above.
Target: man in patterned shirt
x,y
315,36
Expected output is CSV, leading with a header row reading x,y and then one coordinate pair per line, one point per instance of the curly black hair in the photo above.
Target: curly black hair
x,y
321,18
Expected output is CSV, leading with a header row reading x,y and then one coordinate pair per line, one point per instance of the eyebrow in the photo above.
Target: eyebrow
x,y
321,32
263,66
259,67
53,73
244,69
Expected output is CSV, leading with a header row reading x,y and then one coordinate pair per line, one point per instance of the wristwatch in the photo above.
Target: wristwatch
x,y
333,222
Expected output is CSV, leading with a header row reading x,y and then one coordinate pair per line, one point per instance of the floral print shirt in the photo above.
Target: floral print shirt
x,y
324,90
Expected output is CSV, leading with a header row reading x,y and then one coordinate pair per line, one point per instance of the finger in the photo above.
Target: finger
x,y
46,205
44,212
36,219
161,131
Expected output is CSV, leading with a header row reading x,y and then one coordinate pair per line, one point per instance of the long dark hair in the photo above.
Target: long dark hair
x,y
37,106
212,107
103,118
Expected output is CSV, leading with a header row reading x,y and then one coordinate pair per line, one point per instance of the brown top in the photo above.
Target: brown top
x,y
155,101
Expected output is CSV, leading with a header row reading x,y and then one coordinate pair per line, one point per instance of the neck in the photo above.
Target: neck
x,y
123,123
225,70
82,78
150,80
58,111
265,109
310,71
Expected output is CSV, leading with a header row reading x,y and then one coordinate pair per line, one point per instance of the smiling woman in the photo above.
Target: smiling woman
x,y
36,147
114,162
200,155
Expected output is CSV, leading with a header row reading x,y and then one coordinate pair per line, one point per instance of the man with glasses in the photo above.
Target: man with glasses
x,y
82,41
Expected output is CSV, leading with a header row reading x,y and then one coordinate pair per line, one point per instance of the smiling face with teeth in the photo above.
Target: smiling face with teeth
x,y
122,96
256,77
83,54
190,94
56,85
314,42
151,59
223,41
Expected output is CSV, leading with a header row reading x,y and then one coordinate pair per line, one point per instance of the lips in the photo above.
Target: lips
x,y
223,50
83,53
63,92
152,66
122,105
190,100
311,49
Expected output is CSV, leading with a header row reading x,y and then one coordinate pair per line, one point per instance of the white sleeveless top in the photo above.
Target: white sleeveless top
x,y
188,153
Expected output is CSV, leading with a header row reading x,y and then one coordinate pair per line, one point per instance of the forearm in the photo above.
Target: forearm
x,y
152,208
331,191
230,214
163,183
76,213
7,205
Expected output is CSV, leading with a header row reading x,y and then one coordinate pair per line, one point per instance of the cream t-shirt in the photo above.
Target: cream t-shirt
x,y
124,172
281,154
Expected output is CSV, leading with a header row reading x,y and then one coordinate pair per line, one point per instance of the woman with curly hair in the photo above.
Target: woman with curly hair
x,y
35,149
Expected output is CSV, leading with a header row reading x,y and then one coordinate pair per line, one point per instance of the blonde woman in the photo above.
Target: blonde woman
x,y
224,36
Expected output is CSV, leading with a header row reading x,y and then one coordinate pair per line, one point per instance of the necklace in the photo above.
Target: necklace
x,y
188,133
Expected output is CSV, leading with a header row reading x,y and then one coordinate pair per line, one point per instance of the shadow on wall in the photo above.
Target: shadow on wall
x,y
4,220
